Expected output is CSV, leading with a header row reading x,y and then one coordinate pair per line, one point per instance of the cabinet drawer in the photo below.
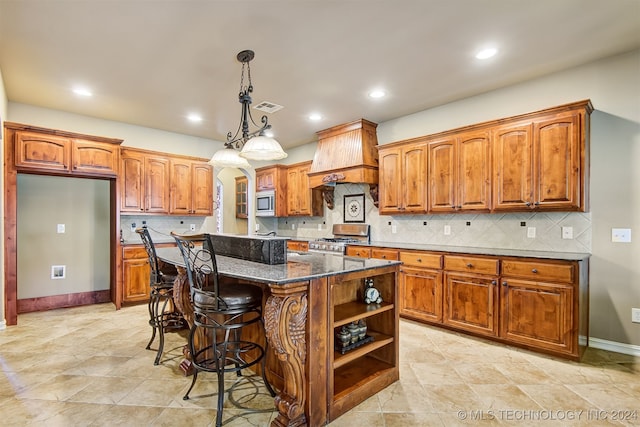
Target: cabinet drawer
x,y
298,245
557,272
384,253
134,252
471,264
421,259
358,251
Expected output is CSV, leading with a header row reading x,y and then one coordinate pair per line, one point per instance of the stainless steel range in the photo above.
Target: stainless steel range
x,y
343,234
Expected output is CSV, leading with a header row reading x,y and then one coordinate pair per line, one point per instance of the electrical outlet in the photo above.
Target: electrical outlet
x,y
319,227
133,227
394,229
531,232
621,235
293,226
192,227
257,227
447,230
635,315
567,232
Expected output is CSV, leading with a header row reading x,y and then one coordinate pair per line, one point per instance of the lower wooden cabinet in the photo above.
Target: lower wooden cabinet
x,y
539,304
298,245
136,273
471,294
420,286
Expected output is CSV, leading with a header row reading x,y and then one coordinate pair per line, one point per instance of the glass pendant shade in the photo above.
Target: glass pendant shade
x,y
262,148
229,158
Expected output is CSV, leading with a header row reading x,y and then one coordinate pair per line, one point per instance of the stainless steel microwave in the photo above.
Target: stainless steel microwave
x,y
265,203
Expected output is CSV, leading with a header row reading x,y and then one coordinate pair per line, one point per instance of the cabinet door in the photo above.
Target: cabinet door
x,y
512,167
95,157
132,182
44,152
390,189
442,176
265,180
156,171
202,193
421,294
181,187
538,314
474,172
136,273
293,196
470,303
557,158
414,179
241,197
303,191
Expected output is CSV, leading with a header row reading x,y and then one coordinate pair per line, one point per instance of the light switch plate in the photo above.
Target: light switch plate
x,y
394,229
621,235
60,228
447,230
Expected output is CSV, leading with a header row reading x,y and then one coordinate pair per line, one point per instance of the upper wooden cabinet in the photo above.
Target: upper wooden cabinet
x,y
301,199
144,187
191,187
61,152
241,197
541,164
403,179
536,161
161,183
460,173
266,178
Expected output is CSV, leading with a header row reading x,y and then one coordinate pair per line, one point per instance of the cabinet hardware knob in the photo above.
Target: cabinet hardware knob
x,y
469,265
534,270
494,282
453,206
537,203
459,207
419,260
504,283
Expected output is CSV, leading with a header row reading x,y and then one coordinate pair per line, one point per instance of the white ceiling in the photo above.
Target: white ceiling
x,y
150,63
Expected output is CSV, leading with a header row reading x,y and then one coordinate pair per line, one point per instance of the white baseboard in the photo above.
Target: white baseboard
x,y
618,347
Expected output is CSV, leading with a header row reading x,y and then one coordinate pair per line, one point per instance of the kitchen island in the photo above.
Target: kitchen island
x,y
306,301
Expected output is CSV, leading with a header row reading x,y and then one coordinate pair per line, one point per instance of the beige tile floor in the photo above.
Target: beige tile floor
x,y
87,366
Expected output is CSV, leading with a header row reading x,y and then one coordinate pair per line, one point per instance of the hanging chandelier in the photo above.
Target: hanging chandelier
x,y
254,144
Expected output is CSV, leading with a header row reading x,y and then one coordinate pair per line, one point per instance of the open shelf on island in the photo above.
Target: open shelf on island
x,y
352,376
355,310
379,340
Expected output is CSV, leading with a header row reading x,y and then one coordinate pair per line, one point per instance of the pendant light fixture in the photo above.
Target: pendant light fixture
x,y
254,144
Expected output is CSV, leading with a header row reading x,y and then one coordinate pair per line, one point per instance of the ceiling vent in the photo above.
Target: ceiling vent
x,y
268,107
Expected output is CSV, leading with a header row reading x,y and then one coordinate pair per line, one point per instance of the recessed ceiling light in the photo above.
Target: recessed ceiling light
x,y
315,117
377,93
80,91
486,53
194,118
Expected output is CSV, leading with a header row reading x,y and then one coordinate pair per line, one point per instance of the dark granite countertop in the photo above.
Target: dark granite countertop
x,y
566,256
300,266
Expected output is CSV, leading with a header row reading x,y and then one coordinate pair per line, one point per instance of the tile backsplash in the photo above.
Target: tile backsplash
x,y
159,226
508,231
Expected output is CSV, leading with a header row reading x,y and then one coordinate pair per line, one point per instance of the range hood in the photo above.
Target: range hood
x,y
346,154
